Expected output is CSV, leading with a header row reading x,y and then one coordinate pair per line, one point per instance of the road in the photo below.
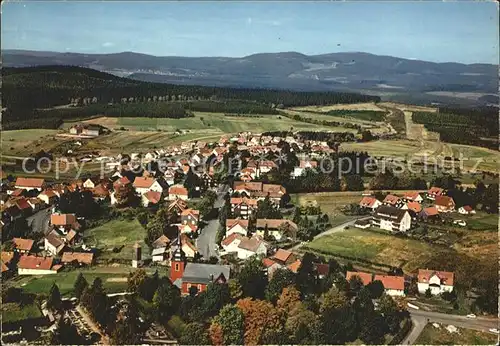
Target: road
x,y
206,240
420,317
332,230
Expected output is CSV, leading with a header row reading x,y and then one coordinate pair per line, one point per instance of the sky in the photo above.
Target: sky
x,y
441,31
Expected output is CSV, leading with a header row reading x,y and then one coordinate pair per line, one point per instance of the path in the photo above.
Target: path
x,y
92,325
332,230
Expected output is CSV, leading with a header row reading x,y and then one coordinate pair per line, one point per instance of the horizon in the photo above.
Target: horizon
x,y
441,32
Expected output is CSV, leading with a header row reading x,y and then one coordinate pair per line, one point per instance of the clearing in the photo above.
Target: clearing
x,y
440,336
115,239
369,106
26,142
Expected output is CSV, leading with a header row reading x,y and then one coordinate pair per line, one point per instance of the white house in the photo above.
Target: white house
x,y
146,184
393,285
54,243
244,247
370,203
466,210
177,192
437,281
90,183
238,226
29,184
303,165
391,219
160,254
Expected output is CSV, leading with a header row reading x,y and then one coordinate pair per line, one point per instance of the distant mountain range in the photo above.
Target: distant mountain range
x,y
389,77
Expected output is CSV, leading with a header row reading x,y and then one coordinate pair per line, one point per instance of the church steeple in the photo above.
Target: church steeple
x,y
178,262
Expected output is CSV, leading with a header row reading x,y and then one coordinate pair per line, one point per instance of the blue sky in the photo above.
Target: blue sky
x,y
435,31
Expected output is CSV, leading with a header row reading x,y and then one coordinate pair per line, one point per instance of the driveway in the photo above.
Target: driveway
x,y
39,222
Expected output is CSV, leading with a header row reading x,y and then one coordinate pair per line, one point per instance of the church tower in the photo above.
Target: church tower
x,y
136,261
177,264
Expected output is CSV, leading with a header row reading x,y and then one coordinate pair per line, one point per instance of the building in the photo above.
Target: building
x,y
91,130
434,192
177,192
160,255
414,207
137,258
146,184
370,203
162,241
363,223
243,207
22,246
429,213
151,198
86,258
244,247
283,257
366,278
54,243
64,222
466,210
413,196
437,281
393,201
238,226
195,275
33,265
29,184
190,217
444,204
278,228
393,285
391,219
303,165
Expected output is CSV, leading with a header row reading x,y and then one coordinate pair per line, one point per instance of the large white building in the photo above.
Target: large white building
x,y
391,219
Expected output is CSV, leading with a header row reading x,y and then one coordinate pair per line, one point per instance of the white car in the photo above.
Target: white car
x,y
494,330
460,223
471,316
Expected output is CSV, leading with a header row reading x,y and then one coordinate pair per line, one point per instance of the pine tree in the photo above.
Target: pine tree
x,y
80,285
54,299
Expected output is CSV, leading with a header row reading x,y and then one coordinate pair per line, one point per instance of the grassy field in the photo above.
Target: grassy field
x,y
13,312
440,336
369,106
117,233
114,279
24,142
330,202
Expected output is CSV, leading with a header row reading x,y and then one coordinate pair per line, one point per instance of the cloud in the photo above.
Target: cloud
x,y
108,44
275,23
249,20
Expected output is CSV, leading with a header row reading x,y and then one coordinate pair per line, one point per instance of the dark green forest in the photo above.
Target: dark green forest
x,y
30,93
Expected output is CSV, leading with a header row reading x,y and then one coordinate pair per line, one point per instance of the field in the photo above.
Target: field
x,y
117,233
356,106
13,312
24,142
375,247
114,279
330,202
440,336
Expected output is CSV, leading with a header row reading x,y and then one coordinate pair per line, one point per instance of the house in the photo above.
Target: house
x,y
22,246
151,198
391,219
370,203
162,241
294,266
85,258
366,278
429,213
444,204
187,228
412,196
64,222
283,257
90,183
7,259
363,223
33,265
122,181
393,285
146,184
54,243
92,130
466,210
160,254
177,206
23,205
393,201
195,275
177,192
434,192
243,246
190,217
303,165
29,184
278,228
187,246
35,204
271,266
243,207
238,226
414,207
437,281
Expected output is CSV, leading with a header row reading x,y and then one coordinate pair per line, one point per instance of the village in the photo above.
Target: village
x,y
210,209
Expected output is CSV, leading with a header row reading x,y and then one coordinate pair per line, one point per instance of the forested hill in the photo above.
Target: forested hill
x,y
48,86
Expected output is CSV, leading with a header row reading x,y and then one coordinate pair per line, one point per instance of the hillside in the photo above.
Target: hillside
x,y
29,93
386,76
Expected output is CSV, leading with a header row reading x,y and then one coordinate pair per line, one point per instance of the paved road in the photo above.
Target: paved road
x,y
332,230
420,317
206,240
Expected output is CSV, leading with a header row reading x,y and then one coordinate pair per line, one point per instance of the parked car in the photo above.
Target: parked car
x,y
471,316
494,330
